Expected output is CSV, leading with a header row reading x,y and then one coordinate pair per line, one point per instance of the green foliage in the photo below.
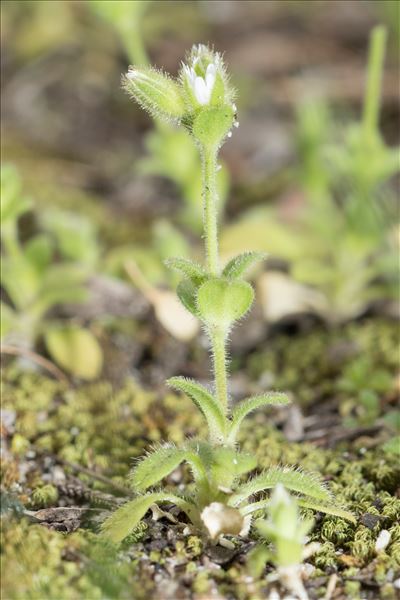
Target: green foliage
x,y
297,481
74,234
356,167
238,265
345,171
35,282
245,407
220,303
76,350
287,532
40,564
362,385
124,520
206,403
187,268
284,528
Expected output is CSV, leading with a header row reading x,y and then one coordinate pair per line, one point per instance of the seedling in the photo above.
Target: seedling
x,y
287,531
35,283
220,501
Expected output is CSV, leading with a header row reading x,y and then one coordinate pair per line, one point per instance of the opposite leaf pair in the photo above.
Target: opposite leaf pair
x,y
217,301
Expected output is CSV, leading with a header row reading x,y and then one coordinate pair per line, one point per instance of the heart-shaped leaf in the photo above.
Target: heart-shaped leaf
x,y
221,302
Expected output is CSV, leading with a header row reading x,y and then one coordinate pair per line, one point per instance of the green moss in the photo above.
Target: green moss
x,y
312,365
102,428
352,589
39,564
43,496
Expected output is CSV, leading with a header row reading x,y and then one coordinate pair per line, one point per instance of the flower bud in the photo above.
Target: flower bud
x,y
155,92
204,79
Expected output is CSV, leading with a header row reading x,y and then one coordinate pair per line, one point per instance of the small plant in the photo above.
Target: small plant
x,y
344,242
220,500
345,179
363,385
35,283
287,531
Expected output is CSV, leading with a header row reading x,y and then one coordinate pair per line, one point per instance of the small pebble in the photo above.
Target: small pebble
x,y
383,540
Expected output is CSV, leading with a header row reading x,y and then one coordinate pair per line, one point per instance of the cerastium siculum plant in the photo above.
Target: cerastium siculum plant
x,y
220,500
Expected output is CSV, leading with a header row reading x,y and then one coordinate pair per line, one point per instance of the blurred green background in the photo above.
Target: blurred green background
x,y
310,173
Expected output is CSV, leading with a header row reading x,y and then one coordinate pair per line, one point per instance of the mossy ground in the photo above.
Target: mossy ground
x,y
73,447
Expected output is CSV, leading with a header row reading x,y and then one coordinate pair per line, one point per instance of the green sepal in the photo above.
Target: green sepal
x,y
239,264
211,125
156,92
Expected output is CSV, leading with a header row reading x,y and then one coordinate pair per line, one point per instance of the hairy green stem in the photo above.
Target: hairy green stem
x,y
210,200
209,160
374,76
220,367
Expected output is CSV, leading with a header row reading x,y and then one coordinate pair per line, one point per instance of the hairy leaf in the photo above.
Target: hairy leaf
x,y
205,403
328,509
239,264
187,294
128,516
221,302
228,464
295,480
161,462
244,408
76,350
187,267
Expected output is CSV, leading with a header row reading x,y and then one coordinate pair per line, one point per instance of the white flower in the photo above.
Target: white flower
x,y
202,86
